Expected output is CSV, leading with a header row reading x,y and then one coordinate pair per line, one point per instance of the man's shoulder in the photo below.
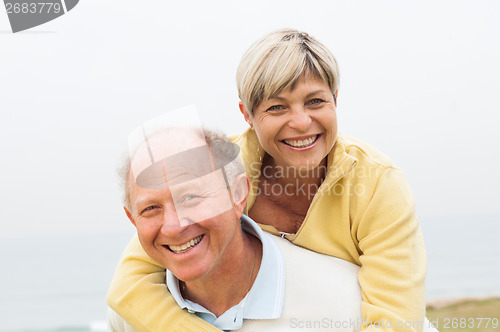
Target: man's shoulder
x,y
302,260
296,256
316,286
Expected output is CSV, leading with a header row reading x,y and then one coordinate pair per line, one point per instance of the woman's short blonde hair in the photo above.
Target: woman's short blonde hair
x,y
276,61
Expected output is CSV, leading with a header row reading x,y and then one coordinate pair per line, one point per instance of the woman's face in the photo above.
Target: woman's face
x,y
297,127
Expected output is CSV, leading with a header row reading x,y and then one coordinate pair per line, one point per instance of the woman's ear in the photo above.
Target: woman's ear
x,y
245,113
336,96
240,190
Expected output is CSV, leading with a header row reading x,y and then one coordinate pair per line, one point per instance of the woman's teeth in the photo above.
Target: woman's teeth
x,y
186,246
301,143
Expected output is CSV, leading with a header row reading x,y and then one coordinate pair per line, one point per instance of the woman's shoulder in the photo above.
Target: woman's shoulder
x,y
364,152
235,138
247,137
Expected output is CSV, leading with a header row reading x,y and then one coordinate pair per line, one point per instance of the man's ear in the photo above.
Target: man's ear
x,y
240,190
129,215
245,113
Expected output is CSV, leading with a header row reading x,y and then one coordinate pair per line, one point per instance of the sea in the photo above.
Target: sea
x,y
59,283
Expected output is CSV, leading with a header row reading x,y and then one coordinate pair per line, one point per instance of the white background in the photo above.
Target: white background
x,y
420,80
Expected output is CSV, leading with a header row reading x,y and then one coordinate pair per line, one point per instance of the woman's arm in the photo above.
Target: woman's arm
x,y
393,261
138,293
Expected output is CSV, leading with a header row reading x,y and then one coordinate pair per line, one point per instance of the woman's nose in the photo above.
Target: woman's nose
x,y
300,119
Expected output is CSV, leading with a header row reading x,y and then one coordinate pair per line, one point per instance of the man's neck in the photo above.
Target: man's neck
x,y
227,284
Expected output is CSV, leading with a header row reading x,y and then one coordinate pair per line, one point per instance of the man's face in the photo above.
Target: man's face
x,y
186,223
189,252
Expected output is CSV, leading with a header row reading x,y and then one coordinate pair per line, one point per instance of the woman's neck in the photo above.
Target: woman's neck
x,y
229,282
293,177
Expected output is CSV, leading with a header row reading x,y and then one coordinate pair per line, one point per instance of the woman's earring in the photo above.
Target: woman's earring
x,y
260,157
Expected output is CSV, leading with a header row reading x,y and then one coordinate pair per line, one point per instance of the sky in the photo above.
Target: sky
x,y
419,80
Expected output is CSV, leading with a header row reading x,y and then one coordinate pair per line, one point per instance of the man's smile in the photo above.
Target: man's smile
x,y
186,246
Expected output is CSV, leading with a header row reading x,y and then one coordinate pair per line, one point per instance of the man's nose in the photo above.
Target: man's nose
x,y
300,119
171,222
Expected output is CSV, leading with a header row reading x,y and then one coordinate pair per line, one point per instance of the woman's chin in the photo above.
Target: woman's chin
x,y
303,161
306,166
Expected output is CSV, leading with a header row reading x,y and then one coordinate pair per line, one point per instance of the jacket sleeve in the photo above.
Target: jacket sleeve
x,y
117,324
393,261
138,294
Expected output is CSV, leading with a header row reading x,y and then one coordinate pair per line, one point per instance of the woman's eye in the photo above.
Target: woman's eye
x,y
275,108
315,101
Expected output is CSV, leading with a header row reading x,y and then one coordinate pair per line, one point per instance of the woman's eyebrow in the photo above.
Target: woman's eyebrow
x,y
315,92
276,97
307,96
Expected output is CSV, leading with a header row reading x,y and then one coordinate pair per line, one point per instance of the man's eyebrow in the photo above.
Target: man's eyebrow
x,y
184,175
187,185
207,183
143,201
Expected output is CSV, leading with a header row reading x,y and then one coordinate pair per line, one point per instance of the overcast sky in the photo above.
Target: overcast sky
x,y
420,80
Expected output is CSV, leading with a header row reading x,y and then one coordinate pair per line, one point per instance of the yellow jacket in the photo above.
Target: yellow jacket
x,y
363,213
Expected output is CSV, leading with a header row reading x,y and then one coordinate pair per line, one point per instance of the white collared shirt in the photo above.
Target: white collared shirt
x,y
265,298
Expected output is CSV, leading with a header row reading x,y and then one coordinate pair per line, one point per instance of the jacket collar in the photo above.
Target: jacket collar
x,y
339,162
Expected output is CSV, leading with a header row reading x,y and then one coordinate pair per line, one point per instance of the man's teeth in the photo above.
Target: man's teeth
x,y
186,246
301,143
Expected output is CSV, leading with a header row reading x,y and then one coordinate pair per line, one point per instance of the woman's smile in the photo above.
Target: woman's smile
x,y
301,143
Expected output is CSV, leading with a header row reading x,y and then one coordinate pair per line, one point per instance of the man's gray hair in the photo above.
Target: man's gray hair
x,y
212,137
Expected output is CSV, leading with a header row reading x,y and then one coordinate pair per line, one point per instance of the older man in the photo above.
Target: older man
x,y
221,267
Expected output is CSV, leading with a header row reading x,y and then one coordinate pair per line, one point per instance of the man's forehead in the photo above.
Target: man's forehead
x,y
166,154
161,146
177,168
172,141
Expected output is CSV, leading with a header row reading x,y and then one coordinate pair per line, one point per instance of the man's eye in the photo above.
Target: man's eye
x,y
149,209
191,197
190,200
195,197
